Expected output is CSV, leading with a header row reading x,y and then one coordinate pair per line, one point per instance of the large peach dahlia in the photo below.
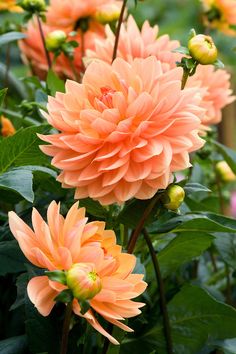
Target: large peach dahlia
x,y
91,254
134,43
124,130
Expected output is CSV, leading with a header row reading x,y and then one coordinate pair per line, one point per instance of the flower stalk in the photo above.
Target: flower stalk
x,y
44,42
118,30
163,306
66,328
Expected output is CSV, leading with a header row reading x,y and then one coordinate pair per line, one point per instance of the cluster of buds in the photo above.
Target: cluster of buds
x,y
33,7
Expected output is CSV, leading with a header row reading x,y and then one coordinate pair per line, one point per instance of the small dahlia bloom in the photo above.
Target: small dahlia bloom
x,y
33,51
67,13
124,130
135,43
7,128
220,14
214,86
10,5
97,271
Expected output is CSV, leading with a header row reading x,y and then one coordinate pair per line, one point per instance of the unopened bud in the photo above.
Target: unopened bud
x,y
174,197
7,128
83,281
33,5
224,172
55,39
108,13
203,49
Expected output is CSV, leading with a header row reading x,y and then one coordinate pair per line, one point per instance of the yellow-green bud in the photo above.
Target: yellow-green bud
x,y
108,14
33,5
174,197
224,172
55,39
203,49
83,281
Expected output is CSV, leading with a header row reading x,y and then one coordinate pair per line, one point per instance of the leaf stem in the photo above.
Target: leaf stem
x,y
44,42
138,230
118,30
163,306
66,328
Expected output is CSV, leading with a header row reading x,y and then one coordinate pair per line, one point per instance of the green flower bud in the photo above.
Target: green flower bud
x,y
108,14
224,172
83,281
55,39
33,5
203,49
174,197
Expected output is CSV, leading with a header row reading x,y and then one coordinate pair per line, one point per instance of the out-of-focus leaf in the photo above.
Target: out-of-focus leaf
x,y
11,258
195,187
196,319
228,346
181,249
93,207
22,149
15,87
3,93
13,345
54,84
226,246
21,285
228,154
11,37
20,180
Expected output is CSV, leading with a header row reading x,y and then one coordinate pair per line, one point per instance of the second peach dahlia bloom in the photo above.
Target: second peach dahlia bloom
x,y
63,243
124,130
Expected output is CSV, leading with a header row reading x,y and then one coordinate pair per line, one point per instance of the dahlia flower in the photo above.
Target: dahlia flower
x,y
9,5
124,130
215,90
7,128
220,14
33,51
134,43
67,13
72,244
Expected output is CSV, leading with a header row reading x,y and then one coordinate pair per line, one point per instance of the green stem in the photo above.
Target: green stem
x,y
66,329
118,29
44,42
163,306
138,230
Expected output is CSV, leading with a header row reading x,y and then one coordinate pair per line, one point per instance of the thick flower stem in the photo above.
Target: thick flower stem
x,y
118,29
44,43
166,322
66,328
138,230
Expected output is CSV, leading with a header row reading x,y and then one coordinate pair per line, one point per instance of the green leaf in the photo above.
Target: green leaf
x,y
219,64
205,222
57,275
14,345
22,149
20,180
21,284
12,259
85,306
226,246
182,249
54,84
3,93
194,188
11,37
182,50
196,319
228,346
228,154
93,207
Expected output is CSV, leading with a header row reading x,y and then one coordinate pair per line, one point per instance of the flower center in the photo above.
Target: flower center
x,y
107,95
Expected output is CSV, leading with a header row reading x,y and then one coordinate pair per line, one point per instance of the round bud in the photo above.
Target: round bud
x,y
224,172
174,197
107,14
33,5
203,49
55,39
83,281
